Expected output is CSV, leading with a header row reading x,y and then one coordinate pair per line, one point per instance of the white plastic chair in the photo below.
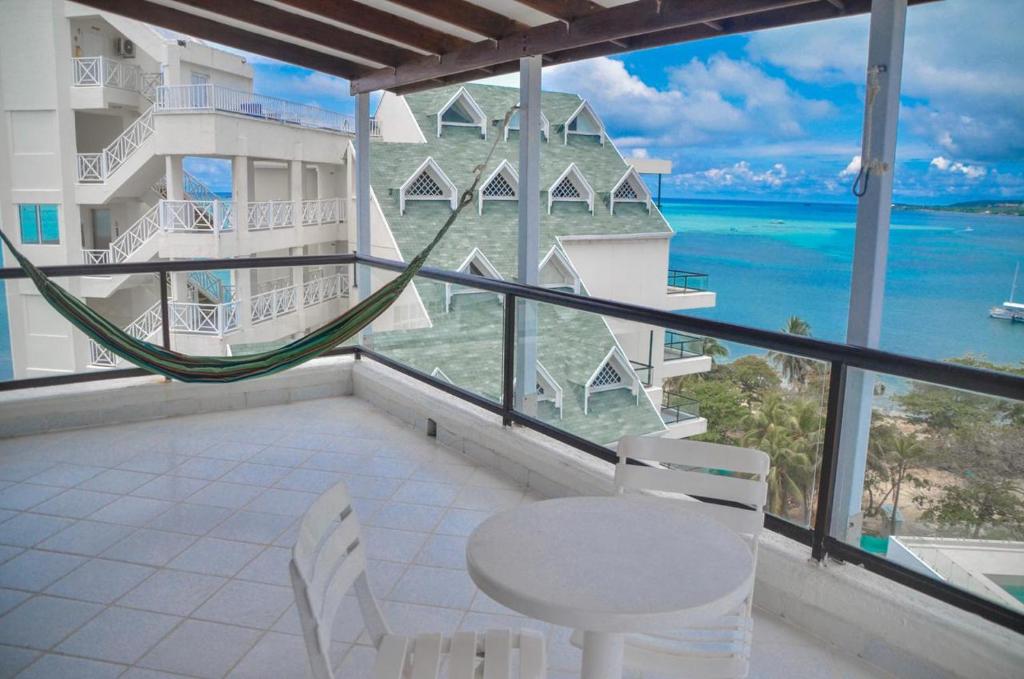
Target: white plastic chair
x,y
718,648
329,559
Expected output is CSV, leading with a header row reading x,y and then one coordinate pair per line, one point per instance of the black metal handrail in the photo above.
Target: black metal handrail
x,y
678,407
840,357
687,280
680,345
644,371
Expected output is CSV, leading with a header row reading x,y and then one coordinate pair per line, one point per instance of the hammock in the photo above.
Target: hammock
x,y
185,368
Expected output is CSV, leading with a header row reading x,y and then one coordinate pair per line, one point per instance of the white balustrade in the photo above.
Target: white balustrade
x,y
144,327
203,319
210,97
106,72
270,214
97,167
197,216
127,243
96,256
322,211
284,300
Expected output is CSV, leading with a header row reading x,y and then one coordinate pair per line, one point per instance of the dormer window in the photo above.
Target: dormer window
x,y
612,373
428,182
557,273
631,189
513,125
476,264
502,184
461,111
584,122
548,389
571,187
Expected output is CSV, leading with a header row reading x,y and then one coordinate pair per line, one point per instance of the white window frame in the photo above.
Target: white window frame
x,y
639,186
450,194
513,124
511,176
552,390
588,109
437,373
474,108
620,363
584,188
478,257
555,255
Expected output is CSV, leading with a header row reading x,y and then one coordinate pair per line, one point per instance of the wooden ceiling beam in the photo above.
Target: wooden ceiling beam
x,y
232,36
564,10
384,24
468,16
298,26
616,23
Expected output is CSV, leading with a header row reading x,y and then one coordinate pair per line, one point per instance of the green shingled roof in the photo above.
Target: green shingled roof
x,y
465,343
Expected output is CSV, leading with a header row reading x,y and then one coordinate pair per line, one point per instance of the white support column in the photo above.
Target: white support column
x,y
175,177
871,250
529,232
242,191
363,244
295,194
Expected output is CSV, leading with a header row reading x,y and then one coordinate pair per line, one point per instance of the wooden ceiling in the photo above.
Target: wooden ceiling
x,y
409,45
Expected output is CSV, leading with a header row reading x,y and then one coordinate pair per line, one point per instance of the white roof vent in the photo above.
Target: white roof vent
x,y
428,182
557,272
584,121
502,184
513,125
462,111
630,189
475,264
571,187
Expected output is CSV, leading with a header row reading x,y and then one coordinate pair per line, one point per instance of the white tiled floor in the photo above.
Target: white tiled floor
x,y
158,550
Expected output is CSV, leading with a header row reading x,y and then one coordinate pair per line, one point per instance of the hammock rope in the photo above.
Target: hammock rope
x,y
212,369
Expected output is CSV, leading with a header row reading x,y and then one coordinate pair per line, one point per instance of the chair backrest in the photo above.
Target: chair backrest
x,y
706,470
328,560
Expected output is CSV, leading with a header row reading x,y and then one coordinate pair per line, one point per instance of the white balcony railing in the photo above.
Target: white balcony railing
x,y
270,214
210,97
284,300
127,243
197,216
95,168
203,319
105,72
144,327
322,211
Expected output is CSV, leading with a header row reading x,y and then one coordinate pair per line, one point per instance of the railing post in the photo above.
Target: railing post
x,y
165,321
829,458
508,360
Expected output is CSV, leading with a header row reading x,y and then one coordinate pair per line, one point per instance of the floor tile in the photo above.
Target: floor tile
x,y
281,457
434,587
335,462
427,493
270,567
461,521
20,471
75,503
247,604
66,475
100,581
119,635
117,481
274,656
51,666
132,511
171,488
487,499
230,495
26,530
207,468
418,518
9,598
201,649
256,527
413,619
190,519
23,496
13,660
443,473
43,621
372,487
392,545
153,462
34,570
443,551
86,537
388,467
173,592
286,502
255,474
383,575
309,480
233,450
216,557
150,547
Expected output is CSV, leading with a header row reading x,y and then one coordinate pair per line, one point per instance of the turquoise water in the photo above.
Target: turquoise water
x,y
768,261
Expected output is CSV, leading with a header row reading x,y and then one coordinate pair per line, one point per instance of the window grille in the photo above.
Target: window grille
x,y
565,189
626,192
499,187
424,186
607,377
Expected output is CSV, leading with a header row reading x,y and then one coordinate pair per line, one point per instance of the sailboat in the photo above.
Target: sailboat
x,y
1010,311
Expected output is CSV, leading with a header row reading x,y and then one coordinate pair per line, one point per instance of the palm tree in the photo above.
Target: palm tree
x,y
896,457
795,370
714,349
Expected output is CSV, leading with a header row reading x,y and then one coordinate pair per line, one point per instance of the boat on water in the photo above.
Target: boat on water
x,y
969,229
1010,310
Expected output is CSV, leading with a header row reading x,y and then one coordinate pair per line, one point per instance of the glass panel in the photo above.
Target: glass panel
x,y
49,223
934,480
29,218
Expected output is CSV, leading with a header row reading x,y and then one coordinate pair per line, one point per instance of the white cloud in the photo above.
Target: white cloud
x,y
639,153
852,169
944,164
738,175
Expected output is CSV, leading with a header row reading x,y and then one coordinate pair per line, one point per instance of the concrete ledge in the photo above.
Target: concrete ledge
x,y
136,399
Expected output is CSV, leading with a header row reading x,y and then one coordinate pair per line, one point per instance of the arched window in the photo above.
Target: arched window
x,y
571,187
461,111
475,264
584,122
630,189
613,372
557,272
513,125
428,182
502,184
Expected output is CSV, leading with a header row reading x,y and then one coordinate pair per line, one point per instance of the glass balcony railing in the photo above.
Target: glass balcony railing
x,y
687,281
679,345
676,407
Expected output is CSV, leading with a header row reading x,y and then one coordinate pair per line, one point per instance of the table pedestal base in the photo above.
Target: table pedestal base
x,y
602,655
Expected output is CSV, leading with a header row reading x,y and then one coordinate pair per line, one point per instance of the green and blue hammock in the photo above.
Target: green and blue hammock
x,y
185,368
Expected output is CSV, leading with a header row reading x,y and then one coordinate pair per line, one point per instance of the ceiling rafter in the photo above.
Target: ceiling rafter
x,y
565,10
463,14
311,30
384,24
232,36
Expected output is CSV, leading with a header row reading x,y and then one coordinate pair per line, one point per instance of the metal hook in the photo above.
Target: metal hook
x,y
859,188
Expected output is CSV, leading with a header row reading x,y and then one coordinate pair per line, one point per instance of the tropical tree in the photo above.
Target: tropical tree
x,y
893,459
795,370
714,349
753,375
997,504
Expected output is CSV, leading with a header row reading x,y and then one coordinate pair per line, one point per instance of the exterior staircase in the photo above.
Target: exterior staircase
x,y
145,327
125,167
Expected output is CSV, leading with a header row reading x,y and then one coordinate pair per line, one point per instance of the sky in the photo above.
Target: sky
x,y
777,115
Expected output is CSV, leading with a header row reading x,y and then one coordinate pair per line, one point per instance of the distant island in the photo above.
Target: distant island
x,y
1013,208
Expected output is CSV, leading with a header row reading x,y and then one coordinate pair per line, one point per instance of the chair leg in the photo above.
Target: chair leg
x,y
602,655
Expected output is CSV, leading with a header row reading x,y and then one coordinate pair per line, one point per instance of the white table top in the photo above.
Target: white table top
x,y
611,564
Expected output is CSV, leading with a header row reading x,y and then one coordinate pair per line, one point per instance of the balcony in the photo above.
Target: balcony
x,y
101,82
688,290
684,355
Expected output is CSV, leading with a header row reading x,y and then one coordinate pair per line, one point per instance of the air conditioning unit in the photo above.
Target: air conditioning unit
x,y
125,48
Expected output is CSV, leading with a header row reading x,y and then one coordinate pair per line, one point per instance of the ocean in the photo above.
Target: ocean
x,y
770,260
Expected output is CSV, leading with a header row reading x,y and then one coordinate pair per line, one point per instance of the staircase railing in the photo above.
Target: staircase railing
x,y
127,243
105,72
192,187
96,168
143,327
212,286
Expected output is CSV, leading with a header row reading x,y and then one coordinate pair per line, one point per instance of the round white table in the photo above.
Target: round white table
x,y
610,566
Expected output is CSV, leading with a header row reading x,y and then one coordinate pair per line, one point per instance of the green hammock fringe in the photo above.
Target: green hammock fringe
x,y
185,368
